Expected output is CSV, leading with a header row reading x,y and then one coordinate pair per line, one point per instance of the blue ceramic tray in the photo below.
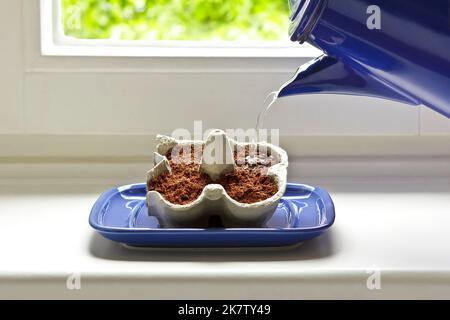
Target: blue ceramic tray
x,y
121,215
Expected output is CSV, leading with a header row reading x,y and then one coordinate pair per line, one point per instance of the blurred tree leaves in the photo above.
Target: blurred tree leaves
x,y
245,20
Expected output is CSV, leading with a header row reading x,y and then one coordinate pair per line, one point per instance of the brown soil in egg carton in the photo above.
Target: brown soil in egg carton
x,y
249,183
186,182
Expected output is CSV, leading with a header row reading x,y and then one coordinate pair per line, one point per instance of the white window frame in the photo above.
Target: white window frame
x,y
55,43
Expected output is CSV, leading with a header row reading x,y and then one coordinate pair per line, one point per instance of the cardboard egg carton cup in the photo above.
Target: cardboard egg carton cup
x,y
214,200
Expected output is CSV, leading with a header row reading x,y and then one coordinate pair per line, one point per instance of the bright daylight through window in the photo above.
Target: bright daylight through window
x,y
191,20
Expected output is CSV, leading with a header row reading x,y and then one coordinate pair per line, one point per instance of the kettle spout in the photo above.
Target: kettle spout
x,y
326,74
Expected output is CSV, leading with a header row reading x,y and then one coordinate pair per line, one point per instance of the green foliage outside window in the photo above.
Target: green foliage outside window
x,y
246,20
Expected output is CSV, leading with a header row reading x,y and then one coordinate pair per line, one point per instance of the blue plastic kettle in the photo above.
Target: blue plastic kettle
x,y
392,49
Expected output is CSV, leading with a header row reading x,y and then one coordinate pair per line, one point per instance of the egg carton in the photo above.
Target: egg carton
x,y
214,200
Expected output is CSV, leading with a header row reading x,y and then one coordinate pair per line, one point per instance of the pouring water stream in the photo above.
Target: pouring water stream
x,y
252,158
268,102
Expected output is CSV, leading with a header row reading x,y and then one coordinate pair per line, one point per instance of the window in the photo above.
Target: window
x,y
222,28
177,20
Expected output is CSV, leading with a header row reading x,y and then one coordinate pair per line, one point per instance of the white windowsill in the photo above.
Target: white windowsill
x,y
397,225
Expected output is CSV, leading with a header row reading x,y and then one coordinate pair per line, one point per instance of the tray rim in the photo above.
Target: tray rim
x,y
328,202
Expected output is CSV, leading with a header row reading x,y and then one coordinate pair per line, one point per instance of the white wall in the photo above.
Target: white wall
x,y
12,69
143,96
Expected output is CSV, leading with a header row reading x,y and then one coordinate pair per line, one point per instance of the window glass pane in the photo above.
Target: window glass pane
x,y
210,20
